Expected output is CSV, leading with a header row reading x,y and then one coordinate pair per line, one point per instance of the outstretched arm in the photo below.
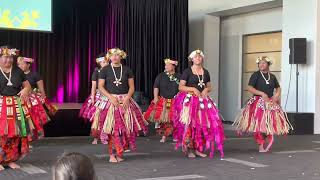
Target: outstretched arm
x,y
40,85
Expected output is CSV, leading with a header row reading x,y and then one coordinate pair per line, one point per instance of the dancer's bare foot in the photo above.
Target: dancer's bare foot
x,y
1,168
13,165
95,141
127,150
119,159
163,139
113,159
200,154
270,143
191,155
261,148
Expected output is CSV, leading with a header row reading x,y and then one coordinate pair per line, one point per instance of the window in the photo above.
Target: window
x,y
257,45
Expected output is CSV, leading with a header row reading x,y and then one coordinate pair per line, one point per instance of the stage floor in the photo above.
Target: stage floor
x,y
293,157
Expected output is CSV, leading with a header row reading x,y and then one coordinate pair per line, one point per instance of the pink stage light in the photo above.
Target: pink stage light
x,y
60,94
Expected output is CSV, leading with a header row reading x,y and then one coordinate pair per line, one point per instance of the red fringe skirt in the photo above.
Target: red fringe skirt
x,y
40,111
16,126
259,116
161,113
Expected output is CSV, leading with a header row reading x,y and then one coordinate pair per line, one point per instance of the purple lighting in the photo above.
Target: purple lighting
x,y
107,32
60,94
89,57
76,80
69,83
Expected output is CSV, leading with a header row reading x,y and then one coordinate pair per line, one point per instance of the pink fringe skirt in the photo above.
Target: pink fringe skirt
x,y
197,124
88,111
89,108
259,116
122,124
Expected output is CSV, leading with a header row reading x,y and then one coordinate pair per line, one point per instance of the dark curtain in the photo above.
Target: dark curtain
x,y
155,30
149,30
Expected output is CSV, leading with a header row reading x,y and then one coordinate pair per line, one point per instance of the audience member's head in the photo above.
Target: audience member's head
x,y
74,166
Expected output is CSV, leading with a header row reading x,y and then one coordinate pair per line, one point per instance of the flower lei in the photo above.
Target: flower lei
x,y
172,77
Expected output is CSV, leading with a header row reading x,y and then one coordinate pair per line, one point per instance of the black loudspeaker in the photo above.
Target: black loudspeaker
x,y
303,123
298,51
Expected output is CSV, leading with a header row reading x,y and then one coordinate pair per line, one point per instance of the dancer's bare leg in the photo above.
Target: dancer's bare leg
x,y
271,140
95,141
163,139
191,154
113,159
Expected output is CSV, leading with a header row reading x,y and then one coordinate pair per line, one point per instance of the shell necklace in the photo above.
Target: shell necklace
x,y
267,80
117,81
8,78
201,80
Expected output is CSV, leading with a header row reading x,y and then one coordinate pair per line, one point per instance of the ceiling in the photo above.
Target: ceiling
x,y
198,8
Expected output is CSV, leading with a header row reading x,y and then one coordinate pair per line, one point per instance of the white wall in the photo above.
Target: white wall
x,y
299,21
196,31
317,87
212,54
232,30
199,8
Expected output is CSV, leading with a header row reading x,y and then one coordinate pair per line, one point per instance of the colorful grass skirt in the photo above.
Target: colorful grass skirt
x,y
197,124
40,111
161,113
259,116
89,108
16,127
88,111
122,124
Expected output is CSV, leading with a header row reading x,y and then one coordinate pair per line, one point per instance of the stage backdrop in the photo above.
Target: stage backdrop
x,y
149,30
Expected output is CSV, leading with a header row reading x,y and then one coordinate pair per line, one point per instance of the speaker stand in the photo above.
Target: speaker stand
x,y
297,88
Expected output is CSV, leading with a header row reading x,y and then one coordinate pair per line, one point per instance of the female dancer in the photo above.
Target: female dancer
x,y
90,105
41,107
161,108
197,122
120,117
15,120
263,114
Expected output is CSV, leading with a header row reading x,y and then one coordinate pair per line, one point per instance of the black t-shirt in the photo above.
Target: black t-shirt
x,y
167,88
193,80
17,78
106,73
33,78
95,74
257,81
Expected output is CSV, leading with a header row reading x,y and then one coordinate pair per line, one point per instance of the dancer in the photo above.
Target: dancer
x,y
93,101
41,107
197,122
15,121
121,118
263,114
161,108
